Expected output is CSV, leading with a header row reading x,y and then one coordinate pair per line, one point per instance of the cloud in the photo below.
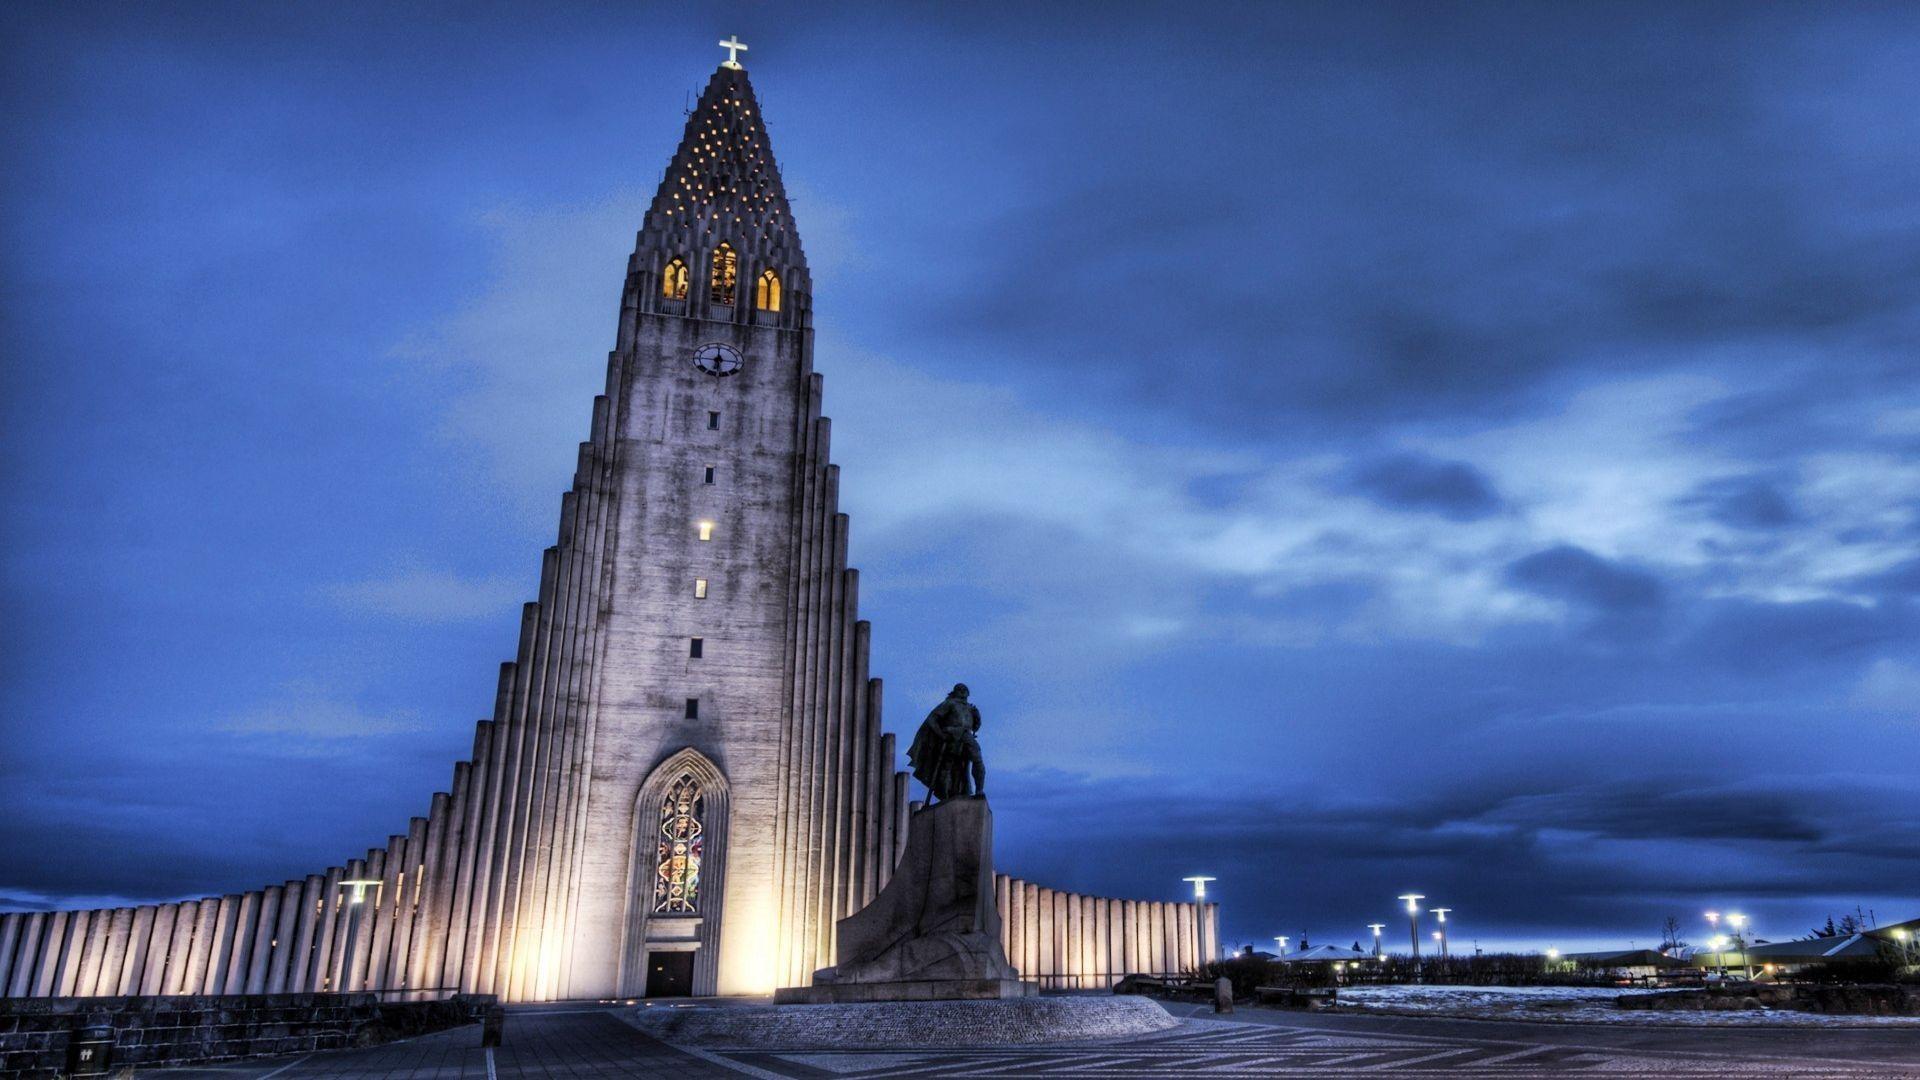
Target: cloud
x,y
1566,572
1744,502
307,721
1453,489
430,596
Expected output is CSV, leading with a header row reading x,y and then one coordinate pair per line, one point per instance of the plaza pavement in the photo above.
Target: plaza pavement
x,y
593,1041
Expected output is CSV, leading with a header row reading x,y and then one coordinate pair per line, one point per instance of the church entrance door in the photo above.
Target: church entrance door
x,y
669,974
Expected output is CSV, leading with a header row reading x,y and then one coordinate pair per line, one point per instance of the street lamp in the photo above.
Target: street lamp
x,y
1378,952
1281,940
1413,920
1553,957
1441,914
1713,919
1199,919
1737,921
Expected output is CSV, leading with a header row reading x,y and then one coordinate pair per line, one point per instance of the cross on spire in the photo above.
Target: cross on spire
x,y
734,49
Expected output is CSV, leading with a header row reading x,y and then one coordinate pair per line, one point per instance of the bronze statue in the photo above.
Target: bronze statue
x,y
945,750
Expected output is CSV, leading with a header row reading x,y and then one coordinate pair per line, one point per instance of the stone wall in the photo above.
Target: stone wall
x,y
1067,941
35,1033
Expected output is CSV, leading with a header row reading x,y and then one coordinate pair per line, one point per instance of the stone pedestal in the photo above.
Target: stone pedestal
x,y
933,933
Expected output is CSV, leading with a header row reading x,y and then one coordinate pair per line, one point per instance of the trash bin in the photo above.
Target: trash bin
x,y
493,1025
90,1051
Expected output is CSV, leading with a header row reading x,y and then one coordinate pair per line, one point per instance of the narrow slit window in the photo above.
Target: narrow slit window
x,y
726,273
673,281
695,647
706,530
766,292
713,421
693,708
699,588
709,478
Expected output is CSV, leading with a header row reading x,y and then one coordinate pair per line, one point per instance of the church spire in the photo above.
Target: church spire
x,y
722,210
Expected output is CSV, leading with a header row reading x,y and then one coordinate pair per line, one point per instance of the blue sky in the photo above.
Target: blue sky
x,y
1464,448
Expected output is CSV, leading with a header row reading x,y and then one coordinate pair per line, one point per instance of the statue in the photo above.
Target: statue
x,y
945,750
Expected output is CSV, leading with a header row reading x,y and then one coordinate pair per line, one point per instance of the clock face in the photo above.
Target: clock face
x,y
717,360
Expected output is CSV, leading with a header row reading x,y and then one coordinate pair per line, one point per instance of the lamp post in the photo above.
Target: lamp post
x,y
1440,913
1718,943
356,900
1280,940
1199,920
1376,927
1413,920
1553,958
1737,921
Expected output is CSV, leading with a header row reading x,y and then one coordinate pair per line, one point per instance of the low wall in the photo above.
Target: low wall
x,y
36,1033
1069,941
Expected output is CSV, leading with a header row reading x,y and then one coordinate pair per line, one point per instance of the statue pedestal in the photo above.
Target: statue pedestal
x,y
934,932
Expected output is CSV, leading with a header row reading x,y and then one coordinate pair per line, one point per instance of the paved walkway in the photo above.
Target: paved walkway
x,y
551,1043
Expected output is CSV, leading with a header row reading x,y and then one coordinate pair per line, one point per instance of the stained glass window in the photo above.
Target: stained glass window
x,y
766,294
676,882
673,283
726,270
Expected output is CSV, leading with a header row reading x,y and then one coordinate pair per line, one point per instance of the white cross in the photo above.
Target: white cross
x,y
734,49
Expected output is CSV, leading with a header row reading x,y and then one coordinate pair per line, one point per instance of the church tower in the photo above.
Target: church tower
x,y
684,782
737,772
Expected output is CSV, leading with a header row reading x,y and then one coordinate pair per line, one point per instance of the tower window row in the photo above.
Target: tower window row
x,y
723,281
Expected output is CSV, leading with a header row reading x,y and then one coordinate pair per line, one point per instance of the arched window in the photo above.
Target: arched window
x,y
766,292
682,841
726,269
673,283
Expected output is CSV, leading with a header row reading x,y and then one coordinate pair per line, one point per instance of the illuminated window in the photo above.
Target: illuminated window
x,y
695,646
699,588
713,421
676,880
673,282
709,478
693,708
706,530
766,292
726,271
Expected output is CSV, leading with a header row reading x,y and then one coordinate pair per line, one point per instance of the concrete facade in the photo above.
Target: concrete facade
x,y
704,506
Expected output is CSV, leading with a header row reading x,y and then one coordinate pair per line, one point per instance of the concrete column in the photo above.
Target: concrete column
x,y
531,720
306,921
859,756
460,929
1070,940
246,922
159,950
260,953
429,921
73,955
10,926
206,924
47,980
352,929
24,954
888,781
392,866
1157,938
321,969
369,938
113,953
177,948
406,905
1098,966
879,774
511,740
286,944
346,921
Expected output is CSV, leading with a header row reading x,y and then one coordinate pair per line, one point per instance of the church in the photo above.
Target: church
x,y
685,780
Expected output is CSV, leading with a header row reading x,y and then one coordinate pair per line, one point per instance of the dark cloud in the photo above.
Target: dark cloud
x,y
1574,574
1453,489
1295,864
1744,502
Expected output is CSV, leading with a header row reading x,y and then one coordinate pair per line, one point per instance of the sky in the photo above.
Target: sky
x,y
1465,448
